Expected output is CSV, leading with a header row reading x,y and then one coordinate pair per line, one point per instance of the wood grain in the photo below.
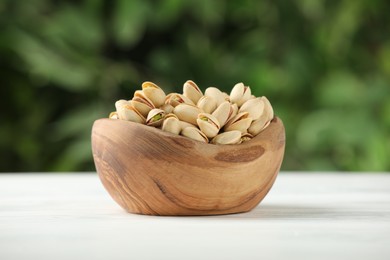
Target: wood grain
x,y
148,171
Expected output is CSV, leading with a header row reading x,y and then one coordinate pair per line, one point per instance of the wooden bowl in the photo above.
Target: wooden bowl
x,y
149,171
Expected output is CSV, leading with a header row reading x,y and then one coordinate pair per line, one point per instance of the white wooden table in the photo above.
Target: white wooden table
x,y
305,216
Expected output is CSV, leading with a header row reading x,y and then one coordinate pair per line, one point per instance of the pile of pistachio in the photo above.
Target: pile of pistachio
x,y
214,116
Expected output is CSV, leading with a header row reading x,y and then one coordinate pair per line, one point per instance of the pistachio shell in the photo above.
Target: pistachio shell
x,y
140,96
113,115
226,96
175,99
240,94
215,94
168,108
120,103
155,117
127,112
240,122
233,111
187,113
268,108
192,91
264,120
259,125
255,108
171,115
154,93
222,112
246,137
208,124
185,125
141,107
194,133
207,104
230,137
172,125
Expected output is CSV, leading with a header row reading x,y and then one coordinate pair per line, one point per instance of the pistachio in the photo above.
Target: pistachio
x,y
259,125
255,108
168,108
226,119
155,117
170,115
226,96
127,112
154,93
207,104
215,94
141,107
194,133
264,120
120,103
140,97
246,137
185,125
230,137
268,108
113,115
233,111
240,94
175,99
172,125
208,124
240,122
222,112
187,113
192,91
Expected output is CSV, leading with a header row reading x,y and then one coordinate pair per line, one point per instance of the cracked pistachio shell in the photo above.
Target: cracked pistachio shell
x,y
264,120
240,122
240,94
171,115
208,124
167,108
216,94
175,99
140,96
259,125
233,111
154,93
141,107
113,115
207,104
155,117
187,113
230,137
127,112
222,112
194,133
255,108
192,91
172,125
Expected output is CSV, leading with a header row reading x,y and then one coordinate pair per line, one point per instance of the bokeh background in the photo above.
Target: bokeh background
x,y
324,65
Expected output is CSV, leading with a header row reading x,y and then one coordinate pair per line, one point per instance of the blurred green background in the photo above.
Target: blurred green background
x,y
324,65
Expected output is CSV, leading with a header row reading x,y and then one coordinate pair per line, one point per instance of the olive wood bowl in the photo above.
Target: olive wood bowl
x,y
149,171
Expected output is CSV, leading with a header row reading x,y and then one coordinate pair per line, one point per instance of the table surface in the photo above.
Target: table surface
x,y
305,216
